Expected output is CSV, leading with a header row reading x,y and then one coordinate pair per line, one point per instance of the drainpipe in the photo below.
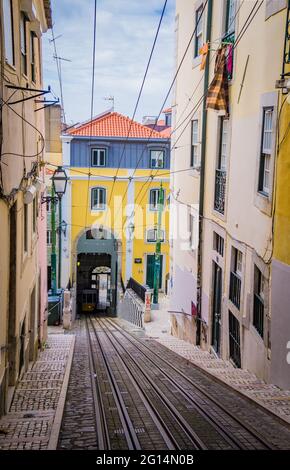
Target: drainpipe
x,y
202,177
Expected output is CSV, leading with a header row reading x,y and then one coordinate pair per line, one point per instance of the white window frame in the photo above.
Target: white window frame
x,y
8,31
230,21
266,151
239,263
98,206
198,37
157,158
98,150
224,145
194,156
151,206
33,56
23,42
154,239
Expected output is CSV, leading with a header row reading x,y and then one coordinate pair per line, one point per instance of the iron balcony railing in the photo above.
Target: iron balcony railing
x,y
220,190
137,288
258,317
235,289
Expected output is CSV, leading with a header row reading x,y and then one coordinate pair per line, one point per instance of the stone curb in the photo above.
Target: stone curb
x,y
55,430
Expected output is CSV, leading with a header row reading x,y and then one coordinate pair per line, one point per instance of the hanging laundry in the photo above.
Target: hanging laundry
x,y
230,60
203,51
218,92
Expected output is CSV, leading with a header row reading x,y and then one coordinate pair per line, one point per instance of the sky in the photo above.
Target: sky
x,y
125,34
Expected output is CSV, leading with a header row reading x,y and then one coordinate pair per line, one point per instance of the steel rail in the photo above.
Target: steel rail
x,y
129,430
162,427
241,423
183,424
101,424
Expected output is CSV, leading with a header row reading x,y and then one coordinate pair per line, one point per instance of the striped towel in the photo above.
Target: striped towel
x,y
218,92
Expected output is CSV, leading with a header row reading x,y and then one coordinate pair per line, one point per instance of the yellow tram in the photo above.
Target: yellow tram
x,y
89,300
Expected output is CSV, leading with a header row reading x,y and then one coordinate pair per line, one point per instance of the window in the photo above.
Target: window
x,y
98,199
23,43
8,31
218,243
156,158
198,32
48,237
168,120
230,17
152,235
194,162
221,171
236,277
259,298
223,150
153,200
98,157
32,56
234,340
266,150
25,228
48,206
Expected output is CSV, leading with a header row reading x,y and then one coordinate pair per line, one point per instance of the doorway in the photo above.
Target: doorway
x,y
150,271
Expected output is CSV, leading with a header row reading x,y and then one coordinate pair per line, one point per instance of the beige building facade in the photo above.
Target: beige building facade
x,y
22,273
227,188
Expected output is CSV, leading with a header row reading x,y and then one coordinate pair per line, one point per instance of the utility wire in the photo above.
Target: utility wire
x,y
92,100
139,95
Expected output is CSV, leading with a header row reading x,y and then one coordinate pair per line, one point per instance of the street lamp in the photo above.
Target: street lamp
x,y
59,181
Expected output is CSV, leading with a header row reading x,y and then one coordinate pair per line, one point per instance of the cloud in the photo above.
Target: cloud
x,y
125,34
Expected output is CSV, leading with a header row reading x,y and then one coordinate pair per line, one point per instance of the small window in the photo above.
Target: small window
x,y
99,157
98,199
25,228
218,243
198,31
230,16
266,150
8,31
168,120
223,149
156,158
237,262
194,162
23,43
48,206
152,235
48,237
154,198
32,56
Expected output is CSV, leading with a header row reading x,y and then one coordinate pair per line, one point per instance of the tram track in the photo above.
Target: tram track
x,y
245,433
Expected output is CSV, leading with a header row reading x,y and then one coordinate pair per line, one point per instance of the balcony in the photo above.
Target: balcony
x,y
220,191
258,317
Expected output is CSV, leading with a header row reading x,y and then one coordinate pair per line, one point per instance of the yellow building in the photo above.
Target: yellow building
x,y
23,292
111,204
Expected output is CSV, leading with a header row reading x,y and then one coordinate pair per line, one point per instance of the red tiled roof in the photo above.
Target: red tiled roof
x,y
166,133
114,125
167,110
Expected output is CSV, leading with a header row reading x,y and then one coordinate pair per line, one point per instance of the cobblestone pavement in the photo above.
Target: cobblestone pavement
x,y
269,396
29,423
78,424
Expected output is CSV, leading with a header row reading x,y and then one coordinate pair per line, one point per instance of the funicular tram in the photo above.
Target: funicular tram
x,y
97,298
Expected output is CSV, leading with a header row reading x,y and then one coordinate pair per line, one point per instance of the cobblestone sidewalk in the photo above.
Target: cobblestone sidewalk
x,y
35,413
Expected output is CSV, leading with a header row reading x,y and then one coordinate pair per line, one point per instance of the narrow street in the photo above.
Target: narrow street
x,y
129,392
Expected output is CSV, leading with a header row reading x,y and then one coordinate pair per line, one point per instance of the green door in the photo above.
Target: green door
x,y
150,271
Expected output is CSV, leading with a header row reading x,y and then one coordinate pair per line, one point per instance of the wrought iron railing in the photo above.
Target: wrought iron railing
x,y
137,288
235,289
258,317
220,191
